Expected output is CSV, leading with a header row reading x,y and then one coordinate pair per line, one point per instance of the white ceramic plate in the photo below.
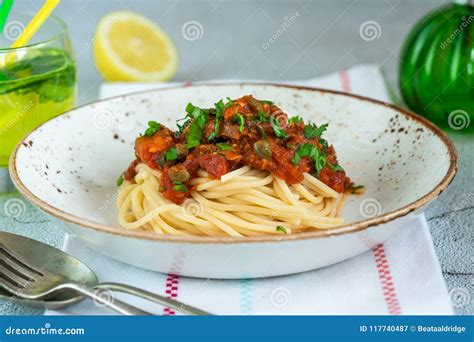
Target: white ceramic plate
x,y
68,167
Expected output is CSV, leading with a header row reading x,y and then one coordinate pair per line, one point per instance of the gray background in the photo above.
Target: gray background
x,y
324,38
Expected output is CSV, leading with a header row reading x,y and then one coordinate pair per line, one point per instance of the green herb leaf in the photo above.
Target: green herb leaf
x,y
306,149
303,150
238,118
171,154
120,180
262,117
356,189
153,127
310,150
279,132
281,229
196,128
220,107
295,119
296,159
262,132
335,167
190,108
229,103
323,143
319,161
266,102
180,187
225,146
313,131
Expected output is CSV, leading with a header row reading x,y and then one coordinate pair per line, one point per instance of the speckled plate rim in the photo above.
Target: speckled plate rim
x,y
344,229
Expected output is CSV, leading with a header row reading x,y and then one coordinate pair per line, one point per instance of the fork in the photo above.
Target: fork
x,y
24,280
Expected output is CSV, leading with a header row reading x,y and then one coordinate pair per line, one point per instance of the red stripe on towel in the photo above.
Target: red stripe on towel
x,y
172,281
388,286
345,82
172,288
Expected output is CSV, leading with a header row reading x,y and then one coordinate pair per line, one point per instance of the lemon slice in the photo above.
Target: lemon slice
x,y
131,47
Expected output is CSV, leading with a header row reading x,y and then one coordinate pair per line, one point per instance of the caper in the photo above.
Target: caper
x,y
178,173
255,104
182,150
160,159
291,145
263,149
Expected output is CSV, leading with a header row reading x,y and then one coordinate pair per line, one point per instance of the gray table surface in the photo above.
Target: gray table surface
x,y
324,38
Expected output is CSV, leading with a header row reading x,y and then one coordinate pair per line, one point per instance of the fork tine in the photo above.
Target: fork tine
x,y
11,277
16,263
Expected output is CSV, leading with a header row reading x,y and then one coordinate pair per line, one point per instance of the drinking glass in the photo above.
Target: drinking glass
x,y
37,82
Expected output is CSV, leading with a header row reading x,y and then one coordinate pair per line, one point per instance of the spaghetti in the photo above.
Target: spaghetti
x,y
262,181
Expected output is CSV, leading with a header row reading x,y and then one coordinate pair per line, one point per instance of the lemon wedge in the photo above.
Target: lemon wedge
x,y
130,47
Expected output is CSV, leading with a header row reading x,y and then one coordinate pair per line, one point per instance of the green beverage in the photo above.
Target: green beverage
x,y
33,89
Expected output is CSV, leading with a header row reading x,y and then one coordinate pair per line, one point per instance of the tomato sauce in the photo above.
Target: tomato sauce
x,y
245,131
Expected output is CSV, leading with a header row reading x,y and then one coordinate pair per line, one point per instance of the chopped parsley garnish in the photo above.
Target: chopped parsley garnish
x,y
335,167
262,117
220,107
319,163
262,132
281,229
190,108
356,189
323,143
187,119
225,146
196,128
303,150
279,132
180,187
266,102
313,131
238,118
296,159
120,180
295,119
309,150
153,127
171,154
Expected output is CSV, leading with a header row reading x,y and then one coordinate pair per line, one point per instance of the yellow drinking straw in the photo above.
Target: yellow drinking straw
x,y
32,28
35,23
